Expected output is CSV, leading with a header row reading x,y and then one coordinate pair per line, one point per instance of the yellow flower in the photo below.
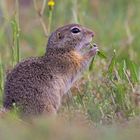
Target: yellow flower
x,y
51,3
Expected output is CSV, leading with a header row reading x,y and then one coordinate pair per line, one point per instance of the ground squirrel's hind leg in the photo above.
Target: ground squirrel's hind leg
x,y
50,110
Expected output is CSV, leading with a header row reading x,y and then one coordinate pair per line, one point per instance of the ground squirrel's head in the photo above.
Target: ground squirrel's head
x,y
73,36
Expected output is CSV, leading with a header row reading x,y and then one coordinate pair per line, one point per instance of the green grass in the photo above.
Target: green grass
x,y
109,91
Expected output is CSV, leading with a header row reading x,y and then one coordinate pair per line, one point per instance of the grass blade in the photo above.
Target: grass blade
x,y
102,54
112,64
133,71
16,33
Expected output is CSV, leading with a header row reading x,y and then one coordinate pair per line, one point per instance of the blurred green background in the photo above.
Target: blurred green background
x,y
109,91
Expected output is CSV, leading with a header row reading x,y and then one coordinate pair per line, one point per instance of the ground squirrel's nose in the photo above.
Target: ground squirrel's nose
x,y
91,33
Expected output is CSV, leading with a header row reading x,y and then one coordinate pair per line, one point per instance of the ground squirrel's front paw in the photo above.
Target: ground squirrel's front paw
x,y
93,51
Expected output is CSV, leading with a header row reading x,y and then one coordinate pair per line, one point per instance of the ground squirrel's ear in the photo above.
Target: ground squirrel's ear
x,y
59,35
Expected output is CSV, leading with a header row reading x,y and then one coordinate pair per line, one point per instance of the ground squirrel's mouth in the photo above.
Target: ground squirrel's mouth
x,y
88,43
84,45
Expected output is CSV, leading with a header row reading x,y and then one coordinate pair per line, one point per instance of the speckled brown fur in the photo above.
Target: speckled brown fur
x,y
36,85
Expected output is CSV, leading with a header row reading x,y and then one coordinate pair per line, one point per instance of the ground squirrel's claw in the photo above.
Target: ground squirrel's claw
x,y
95,48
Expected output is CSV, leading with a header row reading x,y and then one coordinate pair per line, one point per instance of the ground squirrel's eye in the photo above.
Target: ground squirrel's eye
x,y
75,30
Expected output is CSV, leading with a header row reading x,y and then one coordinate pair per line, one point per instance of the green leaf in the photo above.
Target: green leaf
x,y
133,71
112,63
102,54
121,70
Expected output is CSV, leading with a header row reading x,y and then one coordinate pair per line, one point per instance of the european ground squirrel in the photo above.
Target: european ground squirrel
x,y
36,85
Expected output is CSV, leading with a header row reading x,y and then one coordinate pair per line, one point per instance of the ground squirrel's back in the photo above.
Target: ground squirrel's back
x,y
36,85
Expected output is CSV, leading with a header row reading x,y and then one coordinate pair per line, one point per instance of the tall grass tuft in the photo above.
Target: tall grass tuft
x,y
15,46
16,35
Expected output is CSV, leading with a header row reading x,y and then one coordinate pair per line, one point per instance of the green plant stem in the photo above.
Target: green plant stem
x,y
50,20
1,75
17,32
